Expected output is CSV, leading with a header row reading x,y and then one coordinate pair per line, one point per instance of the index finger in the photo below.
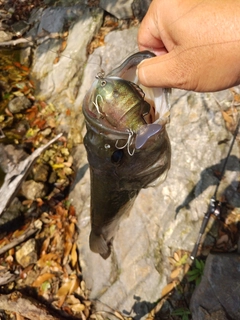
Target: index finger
x,y
148,36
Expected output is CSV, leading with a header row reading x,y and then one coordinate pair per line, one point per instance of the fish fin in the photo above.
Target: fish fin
x,y
146,132
99,245
159,180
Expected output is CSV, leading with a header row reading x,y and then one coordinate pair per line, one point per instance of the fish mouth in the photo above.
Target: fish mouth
x,y
123,160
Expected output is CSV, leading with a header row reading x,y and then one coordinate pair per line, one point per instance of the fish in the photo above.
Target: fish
x,y
127,146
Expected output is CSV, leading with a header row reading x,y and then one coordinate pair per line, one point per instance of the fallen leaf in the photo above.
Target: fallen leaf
x,y
78,307
176,256
19,317
118,315
168,288
226,117
70,230
175,273
45,246
42,278
68,287
74,255
67,249
47,259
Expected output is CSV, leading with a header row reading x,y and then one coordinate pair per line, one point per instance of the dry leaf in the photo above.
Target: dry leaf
x,y
71,299
18,316
42,278
96,316
70,230
45,246
78,307
63,46
168,288
61,300
176,256
74,255
67,249
175,273
186,268
56,60
68,287
226,117
47,259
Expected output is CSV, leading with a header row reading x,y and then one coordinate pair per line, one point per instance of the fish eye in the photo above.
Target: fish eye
x,y
117,156
103,83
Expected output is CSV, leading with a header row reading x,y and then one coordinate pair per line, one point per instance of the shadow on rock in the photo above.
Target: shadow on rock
x,y
211,177
140,308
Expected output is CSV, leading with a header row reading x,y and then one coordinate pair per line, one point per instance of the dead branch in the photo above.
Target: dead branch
x,y
16,175
15,302
32,40
7,277
28,233
29,305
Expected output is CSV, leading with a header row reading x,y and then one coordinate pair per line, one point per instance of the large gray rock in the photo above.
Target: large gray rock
x,y
121,9
140,7
219,290
58,75
132,279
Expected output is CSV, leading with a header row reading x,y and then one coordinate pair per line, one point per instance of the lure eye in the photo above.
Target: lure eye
x,y
117,156
103,83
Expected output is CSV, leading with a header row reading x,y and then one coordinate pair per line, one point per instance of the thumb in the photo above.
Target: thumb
x,y
166,71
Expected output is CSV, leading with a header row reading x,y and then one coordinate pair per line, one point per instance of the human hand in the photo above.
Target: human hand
x,y
197,43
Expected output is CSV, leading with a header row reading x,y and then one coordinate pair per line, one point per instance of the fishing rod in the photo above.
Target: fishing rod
x,y
214,205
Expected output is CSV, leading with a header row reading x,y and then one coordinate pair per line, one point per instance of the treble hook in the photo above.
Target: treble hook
x,y
128,143
96,104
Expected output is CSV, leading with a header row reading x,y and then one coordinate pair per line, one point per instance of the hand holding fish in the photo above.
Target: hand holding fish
x,y
197,44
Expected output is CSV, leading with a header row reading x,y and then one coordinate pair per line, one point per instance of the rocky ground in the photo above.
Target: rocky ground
x,y
51,52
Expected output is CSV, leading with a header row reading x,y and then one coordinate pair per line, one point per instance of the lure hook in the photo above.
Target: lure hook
x,y
96,104
128,143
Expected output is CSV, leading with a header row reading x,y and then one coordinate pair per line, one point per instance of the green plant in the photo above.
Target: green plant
x,y
195,274
184,313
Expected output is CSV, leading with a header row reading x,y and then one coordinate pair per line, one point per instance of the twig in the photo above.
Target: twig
x,y
6,277
30,309
30,41
28,233
17,174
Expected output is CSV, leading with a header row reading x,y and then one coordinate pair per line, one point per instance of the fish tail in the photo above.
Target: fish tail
x,y
99,245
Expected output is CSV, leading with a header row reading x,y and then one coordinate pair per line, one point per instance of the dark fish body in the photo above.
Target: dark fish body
x,y
125,151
